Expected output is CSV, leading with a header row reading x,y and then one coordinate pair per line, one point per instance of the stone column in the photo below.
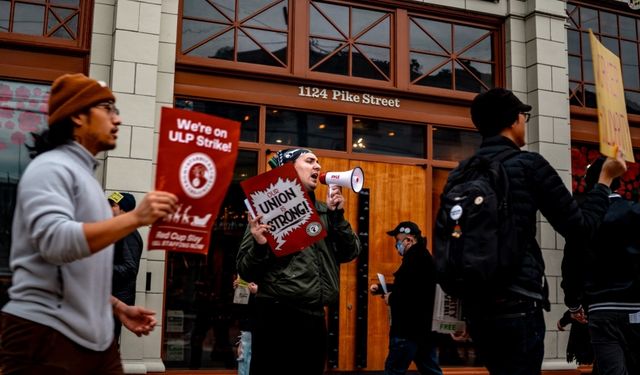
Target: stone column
x,y
537,70
133,49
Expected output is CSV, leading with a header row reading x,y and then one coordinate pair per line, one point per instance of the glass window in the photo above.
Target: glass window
x,y
450,56
618,33
583,154
50,19
350,41
246,115
255,32
388,138
454,144
202,323
306,129
23,110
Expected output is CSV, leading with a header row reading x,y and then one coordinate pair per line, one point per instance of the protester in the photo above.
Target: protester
x,y
244,308
579,344
59,319
601,278
411,299
126,256
290,336
508,328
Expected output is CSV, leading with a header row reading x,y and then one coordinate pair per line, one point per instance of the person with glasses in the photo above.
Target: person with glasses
x,y
59,319
410,299
508,327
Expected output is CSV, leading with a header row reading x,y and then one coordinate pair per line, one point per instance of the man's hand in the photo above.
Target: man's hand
x,y
258,230
137,319
155,205
335,200
612,168
580,316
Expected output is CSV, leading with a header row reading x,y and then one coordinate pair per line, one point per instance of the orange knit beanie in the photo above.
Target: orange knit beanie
x,y
73,93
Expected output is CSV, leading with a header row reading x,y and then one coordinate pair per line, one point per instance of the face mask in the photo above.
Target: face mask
x,y
400,247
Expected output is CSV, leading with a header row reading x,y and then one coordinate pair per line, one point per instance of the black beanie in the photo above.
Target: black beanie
x,y
126,201
495,110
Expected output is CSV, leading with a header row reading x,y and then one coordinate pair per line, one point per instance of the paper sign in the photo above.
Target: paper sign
x,y
383,283
278,195
447,313
612,112
196,157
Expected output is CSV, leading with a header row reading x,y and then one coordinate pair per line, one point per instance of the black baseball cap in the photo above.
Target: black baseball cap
x,y
406,227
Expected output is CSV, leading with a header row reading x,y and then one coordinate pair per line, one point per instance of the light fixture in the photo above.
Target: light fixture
x,y
247,117
391,133
278,140
322,126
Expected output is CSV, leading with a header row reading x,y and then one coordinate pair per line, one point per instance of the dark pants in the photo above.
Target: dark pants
x,y
403,351
510,341
287,341
29,348
616,342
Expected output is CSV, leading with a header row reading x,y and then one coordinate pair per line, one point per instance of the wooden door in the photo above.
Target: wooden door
x,y
397,193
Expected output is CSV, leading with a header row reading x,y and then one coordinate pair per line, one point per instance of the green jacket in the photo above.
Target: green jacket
x,y
307,280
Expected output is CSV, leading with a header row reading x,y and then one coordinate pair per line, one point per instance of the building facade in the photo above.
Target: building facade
x,y
381,84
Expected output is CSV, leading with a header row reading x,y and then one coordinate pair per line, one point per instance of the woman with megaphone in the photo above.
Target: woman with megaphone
x,y
290,336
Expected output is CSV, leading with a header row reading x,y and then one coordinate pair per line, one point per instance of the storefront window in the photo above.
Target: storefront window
x,y
48,18
246,115
350,41
23,110
454,144
451,56
619,33
202,323
255,32
388,138
306,129
582,155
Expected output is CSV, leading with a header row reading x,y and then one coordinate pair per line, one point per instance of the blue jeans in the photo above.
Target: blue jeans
x,y
403,351
244,353
616,342
510,343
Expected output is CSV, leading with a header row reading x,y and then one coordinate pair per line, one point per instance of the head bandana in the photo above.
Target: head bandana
x,y
285,156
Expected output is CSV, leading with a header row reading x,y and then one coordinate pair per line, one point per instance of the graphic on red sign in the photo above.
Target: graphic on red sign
x,y
196,156
279,197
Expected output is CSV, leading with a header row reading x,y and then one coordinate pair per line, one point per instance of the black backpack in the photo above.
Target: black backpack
x,y
475,247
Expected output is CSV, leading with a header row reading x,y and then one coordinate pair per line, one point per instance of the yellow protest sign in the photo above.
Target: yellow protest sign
x,y
613,124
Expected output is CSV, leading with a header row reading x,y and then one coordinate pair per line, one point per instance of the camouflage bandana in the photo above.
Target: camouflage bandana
x,y
285,156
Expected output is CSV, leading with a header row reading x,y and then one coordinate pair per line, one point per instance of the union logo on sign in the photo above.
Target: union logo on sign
x,y
197,175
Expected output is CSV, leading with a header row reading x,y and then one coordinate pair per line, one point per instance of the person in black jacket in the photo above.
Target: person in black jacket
x,y
508,329
410,299
126,256
603,275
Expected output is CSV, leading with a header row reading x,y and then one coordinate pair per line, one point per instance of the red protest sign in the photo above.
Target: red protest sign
x,y
278,195
196,156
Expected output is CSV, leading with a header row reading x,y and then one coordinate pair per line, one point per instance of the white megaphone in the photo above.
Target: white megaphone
x,y
353,179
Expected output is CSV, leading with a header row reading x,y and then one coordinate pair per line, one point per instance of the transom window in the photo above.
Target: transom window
x,y
350,41
47,18
619,34
450,56
253,31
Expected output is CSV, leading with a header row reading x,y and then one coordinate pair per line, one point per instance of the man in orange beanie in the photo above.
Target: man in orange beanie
x,y
59,319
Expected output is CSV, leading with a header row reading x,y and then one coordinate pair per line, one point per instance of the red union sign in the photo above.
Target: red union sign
x,y
196,156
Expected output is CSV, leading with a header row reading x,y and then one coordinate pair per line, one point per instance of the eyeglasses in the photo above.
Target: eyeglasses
x,y
527,116
111,108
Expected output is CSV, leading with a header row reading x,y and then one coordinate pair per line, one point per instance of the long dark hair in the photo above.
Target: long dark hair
x,y
48,139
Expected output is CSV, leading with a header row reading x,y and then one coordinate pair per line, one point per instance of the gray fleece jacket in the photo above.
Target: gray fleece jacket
x,y
56,280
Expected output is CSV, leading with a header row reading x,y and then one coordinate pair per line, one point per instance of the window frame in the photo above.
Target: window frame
x,y
298,56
